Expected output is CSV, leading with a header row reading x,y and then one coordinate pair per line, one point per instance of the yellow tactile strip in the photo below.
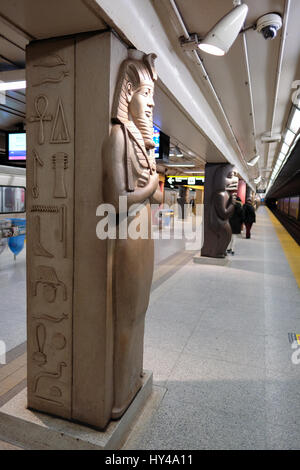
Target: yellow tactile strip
x,y
290,247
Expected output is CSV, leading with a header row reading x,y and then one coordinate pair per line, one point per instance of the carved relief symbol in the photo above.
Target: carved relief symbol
x,y
38,248
58,79
47,276
62,210
59,133
63,231
60,163
54,391
51,318
39,356
36,161
54,60
58,341
41,106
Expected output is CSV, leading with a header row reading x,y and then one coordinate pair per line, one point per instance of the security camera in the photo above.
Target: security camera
x,y
268,25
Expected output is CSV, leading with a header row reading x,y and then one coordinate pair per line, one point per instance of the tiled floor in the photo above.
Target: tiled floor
x,y
217,342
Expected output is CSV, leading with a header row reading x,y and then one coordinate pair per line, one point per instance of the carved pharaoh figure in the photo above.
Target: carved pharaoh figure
x,y
221,181
129,170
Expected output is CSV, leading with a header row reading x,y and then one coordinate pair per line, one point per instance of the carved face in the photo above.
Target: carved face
x,y
232,181
140,108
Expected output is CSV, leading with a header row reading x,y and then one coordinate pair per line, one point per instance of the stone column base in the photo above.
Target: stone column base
x,y
37,431
212,261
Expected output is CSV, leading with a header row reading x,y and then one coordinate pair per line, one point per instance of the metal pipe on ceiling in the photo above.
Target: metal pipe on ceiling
x,y
279,66
16,28
207,78
250,88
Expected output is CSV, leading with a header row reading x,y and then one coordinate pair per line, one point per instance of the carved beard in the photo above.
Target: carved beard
x,y
145,126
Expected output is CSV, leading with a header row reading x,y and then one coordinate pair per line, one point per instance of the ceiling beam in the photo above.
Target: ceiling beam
x,y
12,75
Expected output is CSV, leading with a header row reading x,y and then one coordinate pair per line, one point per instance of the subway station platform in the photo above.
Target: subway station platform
x,y
218,340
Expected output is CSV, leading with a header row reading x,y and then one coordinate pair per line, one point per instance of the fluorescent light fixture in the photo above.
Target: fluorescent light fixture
x,y
284,148
289,137
176,152
295,121
187,165
257,180
221,37
254,160
4,86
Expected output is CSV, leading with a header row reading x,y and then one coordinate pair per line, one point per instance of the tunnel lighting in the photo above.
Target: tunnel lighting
x,y
281,157
187,165
221,37
176,152
254,160
295,121
284,148
4,86
289,137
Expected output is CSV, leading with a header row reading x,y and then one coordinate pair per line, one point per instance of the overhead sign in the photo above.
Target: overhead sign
x,y
184,180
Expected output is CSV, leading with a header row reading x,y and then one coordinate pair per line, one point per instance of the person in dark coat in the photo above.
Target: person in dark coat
x,y
249,217
236,222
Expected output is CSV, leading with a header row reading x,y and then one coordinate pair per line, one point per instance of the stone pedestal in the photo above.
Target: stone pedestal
x,y
210,261
37,431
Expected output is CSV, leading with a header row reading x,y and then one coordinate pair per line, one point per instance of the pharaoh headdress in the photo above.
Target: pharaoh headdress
x,y
138,70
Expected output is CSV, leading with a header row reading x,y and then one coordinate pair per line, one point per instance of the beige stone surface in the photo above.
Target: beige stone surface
x,y
213,261
38,431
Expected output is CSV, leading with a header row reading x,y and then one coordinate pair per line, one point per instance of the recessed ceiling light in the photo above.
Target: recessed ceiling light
x,y
4,86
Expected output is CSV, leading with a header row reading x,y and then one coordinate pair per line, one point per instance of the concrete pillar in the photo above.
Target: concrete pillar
x,y
70,87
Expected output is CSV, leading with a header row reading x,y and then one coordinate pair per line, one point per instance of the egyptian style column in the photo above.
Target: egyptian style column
x,y
70,88
220,181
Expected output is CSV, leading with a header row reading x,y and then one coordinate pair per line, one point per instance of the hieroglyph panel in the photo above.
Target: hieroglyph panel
x,y
50,207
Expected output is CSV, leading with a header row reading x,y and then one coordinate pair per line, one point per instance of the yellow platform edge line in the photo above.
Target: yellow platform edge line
x,y
290,248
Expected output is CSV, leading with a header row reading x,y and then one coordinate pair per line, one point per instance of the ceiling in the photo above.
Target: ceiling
x,y
247,98
257,102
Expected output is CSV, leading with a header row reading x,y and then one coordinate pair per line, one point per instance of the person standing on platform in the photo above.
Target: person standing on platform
x,y
236,222
249,217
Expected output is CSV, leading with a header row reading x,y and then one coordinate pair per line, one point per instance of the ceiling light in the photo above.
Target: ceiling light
x,y
289,137
284,148
254,160
176,152
4,86
221,37
269,138
257,180
187,165
295,121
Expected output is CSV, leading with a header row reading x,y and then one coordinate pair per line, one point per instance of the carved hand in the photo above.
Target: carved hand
x,y
143,179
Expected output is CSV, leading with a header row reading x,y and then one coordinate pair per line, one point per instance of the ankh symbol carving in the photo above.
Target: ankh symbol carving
x,y
41,105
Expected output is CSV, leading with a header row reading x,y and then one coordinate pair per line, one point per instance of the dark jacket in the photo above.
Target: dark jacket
x,y
236,220
249,214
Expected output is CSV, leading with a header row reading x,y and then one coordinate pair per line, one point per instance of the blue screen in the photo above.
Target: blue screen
x,y
17,146
156,140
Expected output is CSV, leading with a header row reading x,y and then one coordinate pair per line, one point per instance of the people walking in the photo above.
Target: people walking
x,y
236,222
249,217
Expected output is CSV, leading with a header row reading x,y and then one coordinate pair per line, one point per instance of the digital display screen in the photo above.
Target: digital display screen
x,y
156,140
17,146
